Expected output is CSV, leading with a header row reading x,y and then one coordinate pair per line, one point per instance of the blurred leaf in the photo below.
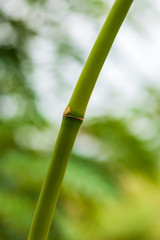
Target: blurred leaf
x,y
123,148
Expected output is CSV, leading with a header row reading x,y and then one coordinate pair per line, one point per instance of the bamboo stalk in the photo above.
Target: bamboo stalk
x,y
73,118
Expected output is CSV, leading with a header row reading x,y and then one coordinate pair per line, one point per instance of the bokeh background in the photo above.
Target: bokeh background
x,y
111,189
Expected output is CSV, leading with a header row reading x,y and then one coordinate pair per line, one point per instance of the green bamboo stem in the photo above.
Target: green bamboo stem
x,y
72,119
96,59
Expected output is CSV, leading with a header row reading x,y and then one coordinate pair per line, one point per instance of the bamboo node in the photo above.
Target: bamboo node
x,y
67,112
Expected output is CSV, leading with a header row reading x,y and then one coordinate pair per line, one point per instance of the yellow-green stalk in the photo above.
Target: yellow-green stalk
x,y
73,118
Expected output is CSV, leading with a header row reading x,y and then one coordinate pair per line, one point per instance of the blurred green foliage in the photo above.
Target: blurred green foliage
x,y
111,187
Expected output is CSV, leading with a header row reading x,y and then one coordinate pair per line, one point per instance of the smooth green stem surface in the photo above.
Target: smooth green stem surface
x,y
51,186
96,59
72,120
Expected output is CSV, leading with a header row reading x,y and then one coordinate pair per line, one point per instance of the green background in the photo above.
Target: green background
x,y
111,186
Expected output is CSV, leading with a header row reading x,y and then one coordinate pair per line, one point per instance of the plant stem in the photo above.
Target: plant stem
x,y
72,119
51,186
98,54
